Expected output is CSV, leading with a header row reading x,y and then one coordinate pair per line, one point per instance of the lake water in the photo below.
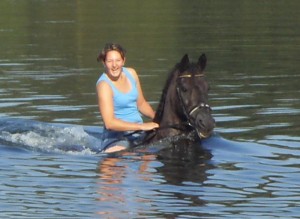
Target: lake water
x,y
50,124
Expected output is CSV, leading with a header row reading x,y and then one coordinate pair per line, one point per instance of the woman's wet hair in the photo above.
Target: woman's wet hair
x,y
111,47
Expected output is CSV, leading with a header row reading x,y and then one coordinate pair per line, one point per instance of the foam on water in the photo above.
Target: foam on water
x,y
49,137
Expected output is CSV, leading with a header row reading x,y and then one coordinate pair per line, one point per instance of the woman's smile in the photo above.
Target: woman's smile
x,y
115,72
114,63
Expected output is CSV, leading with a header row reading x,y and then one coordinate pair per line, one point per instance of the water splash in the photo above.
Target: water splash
x,y
49,137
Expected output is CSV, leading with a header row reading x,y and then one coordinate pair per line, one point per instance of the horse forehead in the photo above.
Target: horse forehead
x,y
194,68
195,79
193,71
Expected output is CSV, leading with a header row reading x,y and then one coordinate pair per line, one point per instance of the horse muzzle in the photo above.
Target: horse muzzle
x,y
205,129
203,123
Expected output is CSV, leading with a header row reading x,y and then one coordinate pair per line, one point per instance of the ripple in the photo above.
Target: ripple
x,y
278,111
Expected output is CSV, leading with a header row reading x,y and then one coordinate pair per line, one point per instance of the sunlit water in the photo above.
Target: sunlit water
x,y
50,128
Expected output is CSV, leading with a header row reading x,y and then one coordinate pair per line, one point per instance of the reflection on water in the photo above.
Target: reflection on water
x,y
143,186
48,71
114,174
242,179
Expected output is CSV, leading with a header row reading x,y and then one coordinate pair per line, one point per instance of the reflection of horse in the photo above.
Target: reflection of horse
x,y
183,109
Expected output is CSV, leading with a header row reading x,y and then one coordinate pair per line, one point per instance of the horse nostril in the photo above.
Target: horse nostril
x,y
205,124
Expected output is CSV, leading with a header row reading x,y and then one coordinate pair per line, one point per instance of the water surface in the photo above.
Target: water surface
x,y
50,125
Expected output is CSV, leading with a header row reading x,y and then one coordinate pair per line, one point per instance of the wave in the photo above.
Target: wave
x,y
50,137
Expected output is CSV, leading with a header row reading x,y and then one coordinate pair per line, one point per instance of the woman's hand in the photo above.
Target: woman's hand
x,y
149,126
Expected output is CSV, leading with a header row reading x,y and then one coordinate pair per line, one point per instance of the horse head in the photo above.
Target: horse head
x,y
184,102
192,93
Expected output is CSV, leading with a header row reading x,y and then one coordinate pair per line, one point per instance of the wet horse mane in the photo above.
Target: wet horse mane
x,y
161,106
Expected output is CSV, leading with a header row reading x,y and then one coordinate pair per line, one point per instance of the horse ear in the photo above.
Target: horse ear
x,y
184,63
202,61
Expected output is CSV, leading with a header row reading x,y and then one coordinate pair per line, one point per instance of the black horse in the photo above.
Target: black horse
x,y
183,109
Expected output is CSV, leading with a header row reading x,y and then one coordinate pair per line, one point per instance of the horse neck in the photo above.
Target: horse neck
x,y
170,116
168,105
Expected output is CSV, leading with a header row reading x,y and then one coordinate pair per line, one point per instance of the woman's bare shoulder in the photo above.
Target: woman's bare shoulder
x,y
103,86
133,72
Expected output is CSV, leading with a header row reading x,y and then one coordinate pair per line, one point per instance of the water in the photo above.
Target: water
x,y
50,125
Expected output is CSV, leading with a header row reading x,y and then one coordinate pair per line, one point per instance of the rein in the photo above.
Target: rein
x,y
178,126
151,133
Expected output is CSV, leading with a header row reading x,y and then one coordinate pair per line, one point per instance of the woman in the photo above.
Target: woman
x,y
120,100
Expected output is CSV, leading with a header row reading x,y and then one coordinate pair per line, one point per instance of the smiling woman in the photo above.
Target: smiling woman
x,y
120,100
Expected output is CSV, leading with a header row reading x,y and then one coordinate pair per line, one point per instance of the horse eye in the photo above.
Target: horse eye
x,y
184,89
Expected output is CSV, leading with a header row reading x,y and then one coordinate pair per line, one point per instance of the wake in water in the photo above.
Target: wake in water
x,y
60,138
50,137
86,140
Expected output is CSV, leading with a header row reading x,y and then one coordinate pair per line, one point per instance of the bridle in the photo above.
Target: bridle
x,y
189,114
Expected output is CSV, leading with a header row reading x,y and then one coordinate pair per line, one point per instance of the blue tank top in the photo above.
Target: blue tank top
x,y
125,104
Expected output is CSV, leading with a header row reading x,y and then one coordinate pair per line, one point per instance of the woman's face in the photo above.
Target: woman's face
x,y
114,63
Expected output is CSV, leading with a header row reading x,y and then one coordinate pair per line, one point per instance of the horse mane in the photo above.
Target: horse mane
x,y
161,105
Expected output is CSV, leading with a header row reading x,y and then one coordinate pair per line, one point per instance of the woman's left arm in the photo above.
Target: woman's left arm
x,y
143,106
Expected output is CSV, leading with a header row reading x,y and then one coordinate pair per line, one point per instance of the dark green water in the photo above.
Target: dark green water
x,y
48,72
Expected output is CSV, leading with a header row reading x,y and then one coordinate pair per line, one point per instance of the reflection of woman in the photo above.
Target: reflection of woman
x,y
110,190
120,100
116,188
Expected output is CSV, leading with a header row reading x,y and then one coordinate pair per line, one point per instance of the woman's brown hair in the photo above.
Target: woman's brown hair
x,y
111,47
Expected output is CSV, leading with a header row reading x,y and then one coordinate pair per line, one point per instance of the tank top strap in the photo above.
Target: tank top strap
x,y
105,78
129,76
